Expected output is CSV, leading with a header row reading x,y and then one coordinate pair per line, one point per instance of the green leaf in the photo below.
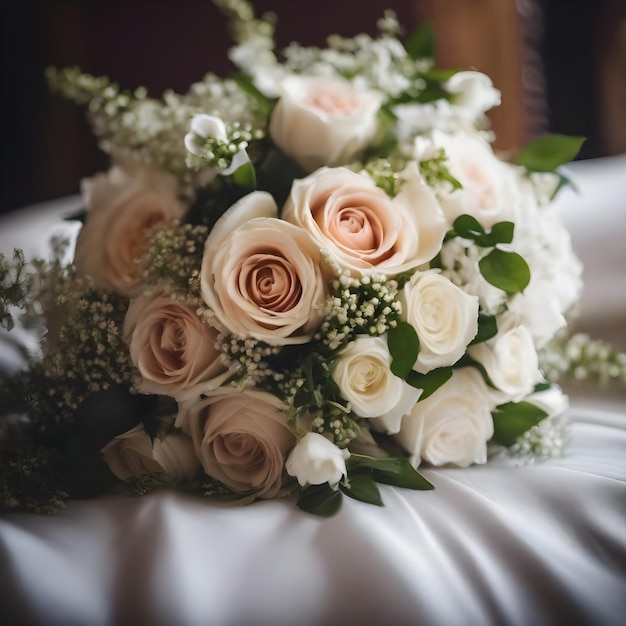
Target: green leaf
x,y
513,419
320,500
421,44
396,471
487,328
404,346
502,232
505,270
363,487
468,227
429,382
548,153
245,176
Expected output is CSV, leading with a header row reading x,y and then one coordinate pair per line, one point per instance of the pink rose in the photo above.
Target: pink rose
x,y
261,275
323,121
360,227
242,439
124,209
171,347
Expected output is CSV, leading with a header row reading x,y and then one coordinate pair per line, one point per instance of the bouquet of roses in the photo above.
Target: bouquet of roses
x,y
306,278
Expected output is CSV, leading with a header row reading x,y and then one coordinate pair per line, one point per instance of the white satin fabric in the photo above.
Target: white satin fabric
x,y
495,544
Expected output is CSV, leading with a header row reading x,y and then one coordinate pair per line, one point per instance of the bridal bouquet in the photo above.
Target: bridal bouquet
x,y
306,279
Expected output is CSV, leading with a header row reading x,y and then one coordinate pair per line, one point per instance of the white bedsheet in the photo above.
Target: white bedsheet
x,y
496,544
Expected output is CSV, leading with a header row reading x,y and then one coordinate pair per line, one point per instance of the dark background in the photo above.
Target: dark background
x,y
46,145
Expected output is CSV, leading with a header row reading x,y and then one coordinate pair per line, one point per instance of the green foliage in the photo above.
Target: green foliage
x,y
548,153
429,382
487,328
364,472
436,171
513,419
320,500
404,348
421,44
506,270
468,227
362,487
395,471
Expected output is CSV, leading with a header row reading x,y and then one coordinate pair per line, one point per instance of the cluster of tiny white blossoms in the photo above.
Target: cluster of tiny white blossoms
x,y
133,127
84,348
172,260
584,359
365,305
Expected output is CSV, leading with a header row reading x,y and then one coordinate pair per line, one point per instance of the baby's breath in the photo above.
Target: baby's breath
x,y
173,262
360,306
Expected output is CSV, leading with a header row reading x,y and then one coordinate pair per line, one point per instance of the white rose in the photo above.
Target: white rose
x,y
323,121
474,93
316,460
176,455
365,379
360,227
261,276
537,308
124,208
130,454
171,347
553,401
490,192
444,317
453,425
510,360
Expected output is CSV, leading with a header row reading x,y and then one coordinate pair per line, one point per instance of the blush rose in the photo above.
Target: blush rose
x,y
124,208
171,347
323,121
360,227
261,275
242,439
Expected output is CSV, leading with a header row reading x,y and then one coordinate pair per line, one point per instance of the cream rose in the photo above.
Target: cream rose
x,y
490,192
242,439
323,121
511,362
130,454
360,227
124,208
316,460
453,425
261,275
444,317
176,455
365,379
171,347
